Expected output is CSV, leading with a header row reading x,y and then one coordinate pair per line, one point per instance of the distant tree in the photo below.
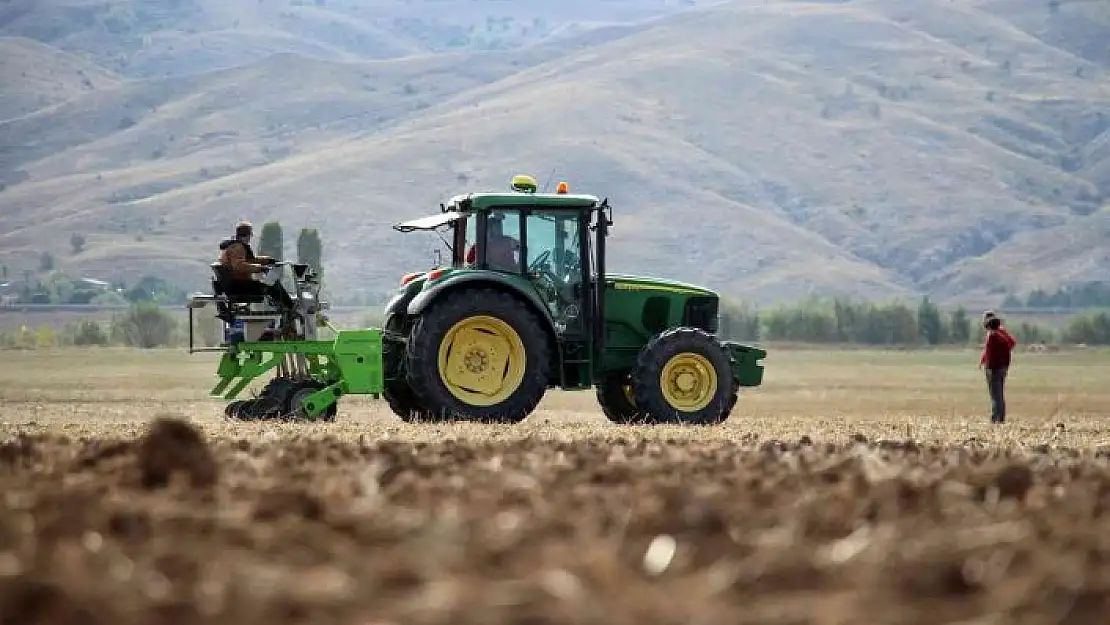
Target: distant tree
x,y
310,250
145,325
77,242
1029,333
1092,329
89,332
154,289
46,262
739,322
959,326
272,241
929,323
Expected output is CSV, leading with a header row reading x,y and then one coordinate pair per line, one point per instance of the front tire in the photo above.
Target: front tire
x,y
684,376
479,354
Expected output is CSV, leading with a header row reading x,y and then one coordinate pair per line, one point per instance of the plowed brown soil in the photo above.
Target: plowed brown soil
x,y
174,526
852,487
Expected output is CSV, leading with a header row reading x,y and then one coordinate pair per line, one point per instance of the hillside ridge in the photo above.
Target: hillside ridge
x,y
870,148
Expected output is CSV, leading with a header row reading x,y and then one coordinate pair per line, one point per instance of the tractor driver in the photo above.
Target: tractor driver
x,y
236,254
500,248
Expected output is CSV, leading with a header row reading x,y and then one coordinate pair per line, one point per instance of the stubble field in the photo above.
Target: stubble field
x,y
853,487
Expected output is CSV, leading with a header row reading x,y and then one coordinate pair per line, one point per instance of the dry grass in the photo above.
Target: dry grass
x,y
867,148
35,75
790,516
827,395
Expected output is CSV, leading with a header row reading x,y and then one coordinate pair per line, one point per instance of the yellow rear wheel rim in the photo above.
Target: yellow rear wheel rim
x,y
689,382
482,360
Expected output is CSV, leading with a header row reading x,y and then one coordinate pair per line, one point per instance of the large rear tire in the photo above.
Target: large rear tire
x,y
396,391
405,404
479,354
684,376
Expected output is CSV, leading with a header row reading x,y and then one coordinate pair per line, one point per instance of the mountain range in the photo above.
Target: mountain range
x,y
768,149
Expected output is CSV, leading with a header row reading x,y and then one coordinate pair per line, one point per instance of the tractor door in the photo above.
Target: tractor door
x,y
553,263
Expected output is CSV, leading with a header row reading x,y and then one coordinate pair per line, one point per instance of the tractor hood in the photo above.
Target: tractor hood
x,y
626,282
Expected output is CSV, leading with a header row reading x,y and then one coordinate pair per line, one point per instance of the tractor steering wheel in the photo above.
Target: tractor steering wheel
x,y
540,268
540,260
543,277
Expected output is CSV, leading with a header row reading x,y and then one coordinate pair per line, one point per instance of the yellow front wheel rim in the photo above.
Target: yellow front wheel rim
x,y
482,360
689,382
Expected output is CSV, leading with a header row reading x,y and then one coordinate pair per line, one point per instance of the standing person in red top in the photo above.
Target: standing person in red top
x,y
995,362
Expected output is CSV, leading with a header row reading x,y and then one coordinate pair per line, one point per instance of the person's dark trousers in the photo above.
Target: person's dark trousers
x,y
996,384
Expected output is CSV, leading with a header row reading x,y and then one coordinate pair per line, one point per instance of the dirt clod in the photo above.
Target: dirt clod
x,y
1014,481
29,601
274,504
20,451
173,446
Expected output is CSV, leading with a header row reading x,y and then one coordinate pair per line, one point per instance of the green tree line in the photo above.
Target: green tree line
x,y
147,325
58,288
1084,295
144,325
61,289
840,320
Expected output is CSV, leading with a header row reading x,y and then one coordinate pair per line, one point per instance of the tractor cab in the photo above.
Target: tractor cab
x,y
536,241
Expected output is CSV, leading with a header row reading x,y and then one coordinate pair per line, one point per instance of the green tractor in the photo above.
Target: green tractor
x,y
525,305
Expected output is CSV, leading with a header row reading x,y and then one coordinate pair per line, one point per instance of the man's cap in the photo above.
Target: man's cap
x,y
988,315
243,228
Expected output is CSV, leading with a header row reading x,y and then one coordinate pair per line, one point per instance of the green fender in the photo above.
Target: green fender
x,y
492,279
